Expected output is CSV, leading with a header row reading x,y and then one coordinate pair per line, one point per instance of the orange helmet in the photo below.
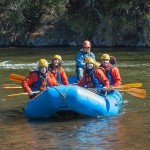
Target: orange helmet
x,y
86,44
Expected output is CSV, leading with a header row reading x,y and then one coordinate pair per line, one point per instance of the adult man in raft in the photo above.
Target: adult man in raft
x,y
80,59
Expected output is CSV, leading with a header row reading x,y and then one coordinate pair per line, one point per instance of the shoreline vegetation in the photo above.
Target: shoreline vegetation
x,y
67,23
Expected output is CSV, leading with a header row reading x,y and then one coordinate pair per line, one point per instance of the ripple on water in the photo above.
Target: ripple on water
x,y
11,65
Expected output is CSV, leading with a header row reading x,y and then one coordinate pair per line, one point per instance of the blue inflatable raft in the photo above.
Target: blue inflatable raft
x,y
72,98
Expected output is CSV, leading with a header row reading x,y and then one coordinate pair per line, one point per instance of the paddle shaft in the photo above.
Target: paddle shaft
x,y
15,87
140,93
18,78
24,93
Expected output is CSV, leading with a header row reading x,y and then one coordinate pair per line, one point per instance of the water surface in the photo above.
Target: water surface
x,y
130,130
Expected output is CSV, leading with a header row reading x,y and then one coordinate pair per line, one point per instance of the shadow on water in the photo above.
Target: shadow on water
x,y
62,116
10,116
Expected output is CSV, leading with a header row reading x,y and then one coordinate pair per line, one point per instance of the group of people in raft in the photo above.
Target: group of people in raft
x,y
90,74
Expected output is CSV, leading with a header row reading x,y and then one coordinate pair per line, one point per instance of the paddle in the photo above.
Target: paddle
x,y
130,85
15,77
24,93
140,93
18,94
9,85
18,78
124,86
129,88
13,87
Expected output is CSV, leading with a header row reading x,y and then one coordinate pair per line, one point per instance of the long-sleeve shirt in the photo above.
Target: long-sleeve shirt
x,y
81,56
63,75
33,77
99,74
114,72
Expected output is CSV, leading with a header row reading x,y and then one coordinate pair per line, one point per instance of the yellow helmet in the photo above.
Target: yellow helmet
x,y
43,63
89,60
105,57
57,57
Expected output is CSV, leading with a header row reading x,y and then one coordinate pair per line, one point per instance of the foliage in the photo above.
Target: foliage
x,y
113,19
26,14
110,20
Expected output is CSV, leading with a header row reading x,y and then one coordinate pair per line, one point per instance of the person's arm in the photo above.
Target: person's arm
x,y
101,76
63,77
116,76
51,80
80,60
33,77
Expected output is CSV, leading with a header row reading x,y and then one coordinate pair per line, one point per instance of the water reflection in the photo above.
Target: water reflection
x,y
115,132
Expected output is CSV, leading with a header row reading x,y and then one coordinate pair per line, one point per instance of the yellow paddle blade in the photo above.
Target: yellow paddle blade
x,y
127,86
131,85
141,93
15,77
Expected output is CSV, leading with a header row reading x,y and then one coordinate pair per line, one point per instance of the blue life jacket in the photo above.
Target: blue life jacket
x,y
58,77
108,74
41,83
94,82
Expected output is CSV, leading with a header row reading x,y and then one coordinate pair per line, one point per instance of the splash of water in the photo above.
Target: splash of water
x,y
11,65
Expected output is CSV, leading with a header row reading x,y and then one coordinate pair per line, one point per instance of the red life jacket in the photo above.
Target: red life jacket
x,y
90,79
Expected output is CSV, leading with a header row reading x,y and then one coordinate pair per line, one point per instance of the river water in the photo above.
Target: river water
x,y
130,130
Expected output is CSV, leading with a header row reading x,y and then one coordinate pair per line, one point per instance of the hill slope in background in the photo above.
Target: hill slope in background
x,y
69,22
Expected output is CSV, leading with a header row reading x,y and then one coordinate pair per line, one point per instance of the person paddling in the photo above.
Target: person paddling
x,y
111,71
80,58
55,68
93,77
38,80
